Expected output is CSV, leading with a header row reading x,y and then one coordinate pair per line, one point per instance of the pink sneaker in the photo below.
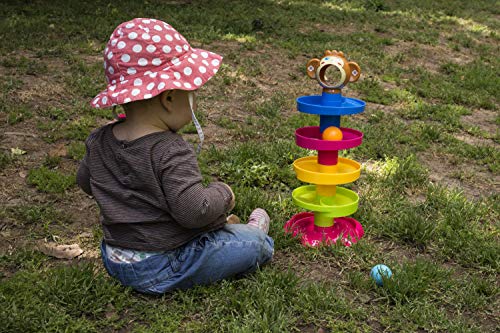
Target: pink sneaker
x,y
260,219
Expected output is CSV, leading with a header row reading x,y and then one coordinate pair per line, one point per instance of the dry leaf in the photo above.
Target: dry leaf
x,y
60,251
17,151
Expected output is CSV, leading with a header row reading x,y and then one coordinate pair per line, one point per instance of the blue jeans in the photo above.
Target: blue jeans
x,y
233,250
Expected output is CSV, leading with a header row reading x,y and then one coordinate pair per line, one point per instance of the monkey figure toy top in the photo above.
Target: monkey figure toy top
x,y
340,71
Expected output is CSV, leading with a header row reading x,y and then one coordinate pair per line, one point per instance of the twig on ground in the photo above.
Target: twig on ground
x,y
20,134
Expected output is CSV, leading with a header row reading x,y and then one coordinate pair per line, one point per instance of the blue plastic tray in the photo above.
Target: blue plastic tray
x,y
313,104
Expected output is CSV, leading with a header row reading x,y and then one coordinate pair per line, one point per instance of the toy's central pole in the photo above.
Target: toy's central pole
x,y
330,99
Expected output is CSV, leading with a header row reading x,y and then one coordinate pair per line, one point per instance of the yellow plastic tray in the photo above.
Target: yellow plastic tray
x,y
308,170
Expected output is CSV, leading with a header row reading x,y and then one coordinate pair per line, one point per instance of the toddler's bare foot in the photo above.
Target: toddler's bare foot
x,y
260,219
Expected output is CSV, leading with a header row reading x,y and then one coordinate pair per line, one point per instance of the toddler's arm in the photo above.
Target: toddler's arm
x,y
83,174
83,177
191,204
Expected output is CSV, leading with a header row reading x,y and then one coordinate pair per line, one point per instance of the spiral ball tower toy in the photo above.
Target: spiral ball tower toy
x,y
330,204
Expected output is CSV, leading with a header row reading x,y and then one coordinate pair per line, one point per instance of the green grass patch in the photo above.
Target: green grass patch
x,y
268,301
273,107
34,214
76,129
23,65
372,91
447,115
443,221
473,84
79,129
401,173
76,150
385,136
51,161
5,159
17,113
50,181
422,295
86,80
54,114
481,154
72,297
226,122
264,165
22,259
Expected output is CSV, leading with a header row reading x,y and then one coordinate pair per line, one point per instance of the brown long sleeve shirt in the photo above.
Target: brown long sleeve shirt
x,y
150,191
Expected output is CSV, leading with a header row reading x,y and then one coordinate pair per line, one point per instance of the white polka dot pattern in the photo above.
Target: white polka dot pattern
x,y
145,57
137,48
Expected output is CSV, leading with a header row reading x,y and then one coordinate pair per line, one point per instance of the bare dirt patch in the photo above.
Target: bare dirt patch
x,y
43,86
475,141
430,57
484,119
37,91
474,181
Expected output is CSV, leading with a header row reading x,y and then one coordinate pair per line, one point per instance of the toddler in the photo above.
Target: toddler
x,y
163,230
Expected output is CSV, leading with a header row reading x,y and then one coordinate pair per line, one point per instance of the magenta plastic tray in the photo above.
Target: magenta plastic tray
x,y
310,138
302,225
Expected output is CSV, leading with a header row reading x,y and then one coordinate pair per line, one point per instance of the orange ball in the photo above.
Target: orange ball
x,y
332,133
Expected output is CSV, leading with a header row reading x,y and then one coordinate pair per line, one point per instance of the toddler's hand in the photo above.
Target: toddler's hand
x,y
233,219
233,198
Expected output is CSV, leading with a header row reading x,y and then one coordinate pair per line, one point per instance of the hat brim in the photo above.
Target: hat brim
x,y
189,72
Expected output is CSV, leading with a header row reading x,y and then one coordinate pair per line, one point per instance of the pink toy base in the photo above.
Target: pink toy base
x,y
302,224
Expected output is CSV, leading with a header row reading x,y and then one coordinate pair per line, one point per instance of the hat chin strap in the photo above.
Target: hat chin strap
x,y
199,130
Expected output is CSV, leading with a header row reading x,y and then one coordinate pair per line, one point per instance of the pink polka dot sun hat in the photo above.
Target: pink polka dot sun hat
x,y
145,57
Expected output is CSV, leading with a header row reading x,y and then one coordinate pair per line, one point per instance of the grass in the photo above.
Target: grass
x,y
50,181
375,93
76,150
17,114
23,65
79,300
447,115
429,75
31,214
472,85
5,159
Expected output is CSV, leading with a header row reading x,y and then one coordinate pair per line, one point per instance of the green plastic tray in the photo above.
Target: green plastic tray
x,y
344,203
